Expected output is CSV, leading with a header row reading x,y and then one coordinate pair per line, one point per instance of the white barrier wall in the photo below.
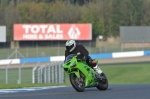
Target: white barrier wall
x,y
62,58
127,54
57,58
7,61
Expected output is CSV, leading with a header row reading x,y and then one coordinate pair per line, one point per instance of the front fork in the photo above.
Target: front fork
x,y
77,73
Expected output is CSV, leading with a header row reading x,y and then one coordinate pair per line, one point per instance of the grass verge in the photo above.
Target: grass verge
x,y
116,74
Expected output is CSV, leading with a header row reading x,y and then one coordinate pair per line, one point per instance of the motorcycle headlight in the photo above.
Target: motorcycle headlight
x,y
73,65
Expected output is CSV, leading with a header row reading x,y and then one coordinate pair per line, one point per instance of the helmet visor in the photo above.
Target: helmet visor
x,y
69,47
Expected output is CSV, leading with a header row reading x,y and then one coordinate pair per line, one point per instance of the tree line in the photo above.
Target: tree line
x,y
106,16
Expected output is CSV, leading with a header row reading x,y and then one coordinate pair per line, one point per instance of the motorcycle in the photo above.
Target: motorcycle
x,y
83,76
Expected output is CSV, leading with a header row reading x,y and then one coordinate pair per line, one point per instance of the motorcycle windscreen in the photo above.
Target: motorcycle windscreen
x,y
69,57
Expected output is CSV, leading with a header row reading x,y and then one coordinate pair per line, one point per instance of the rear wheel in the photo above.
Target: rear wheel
x,y
77,83
103,83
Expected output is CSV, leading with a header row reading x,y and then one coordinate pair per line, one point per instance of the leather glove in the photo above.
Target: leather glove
x,y
81,59
84,58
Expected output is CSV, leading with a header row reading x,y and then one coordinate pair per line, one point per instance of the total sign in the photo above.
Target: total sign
x,y
52,31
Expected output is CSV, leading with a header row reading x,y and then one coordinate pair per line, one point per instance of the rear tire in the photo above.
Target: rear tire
x,y
77,85
103,84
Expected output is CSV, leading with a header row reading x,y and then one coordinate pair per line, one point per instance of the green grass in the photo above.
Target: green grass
x,y
116,74
13,76
128,73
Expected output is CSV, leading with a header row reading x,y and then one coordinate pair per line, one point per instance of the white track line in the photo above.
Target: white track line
x,y
3,91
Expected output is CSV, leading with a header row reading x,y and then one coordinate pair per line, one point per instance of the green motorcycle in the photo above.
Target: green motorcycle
x,y
83,76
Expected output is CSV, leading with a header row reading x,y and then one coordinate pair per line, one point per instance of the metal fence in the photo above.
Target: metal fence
x,y
49,73
58,49
27,74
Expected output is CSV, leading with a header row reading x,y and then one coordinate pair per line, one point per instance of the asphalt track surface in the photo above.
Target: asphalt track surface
x,y
137,91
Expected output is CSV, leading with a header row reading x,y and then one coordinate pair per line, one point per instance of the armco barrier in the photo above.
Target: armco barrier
x,y
61,58
7,61
146,53
99,56
35,60
127,54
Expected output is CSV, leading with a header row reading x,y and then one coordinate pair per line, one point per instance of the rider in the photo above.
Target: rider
x,y
73,48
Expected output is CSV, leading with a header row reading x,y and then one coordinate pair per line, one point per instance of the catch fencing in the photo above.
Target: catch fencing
x,y
31,74
49,73
59,49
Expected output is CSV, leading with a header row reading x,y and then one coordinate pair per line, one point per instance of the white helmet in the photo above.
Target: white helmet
x,y
70,45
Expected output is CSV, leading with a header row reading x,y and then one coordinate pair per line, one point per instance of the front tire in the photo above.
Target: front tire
x,y
77,85
103,84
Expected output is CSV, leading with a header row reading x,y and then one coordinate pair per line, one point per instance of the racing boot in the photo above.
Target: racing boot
x,y
97,69
100,73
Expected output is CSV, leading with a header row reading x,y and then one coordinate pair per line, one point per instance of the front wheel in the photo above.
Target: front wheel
x,y
103,84
77,83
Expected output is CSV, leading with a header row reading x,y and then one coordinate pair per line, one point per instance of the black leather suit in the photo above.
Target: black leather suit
x,y
83,54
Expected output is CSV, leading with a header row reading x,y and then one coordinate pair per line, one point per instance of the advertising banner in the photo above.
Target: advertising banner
x,y
2,33
24,32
